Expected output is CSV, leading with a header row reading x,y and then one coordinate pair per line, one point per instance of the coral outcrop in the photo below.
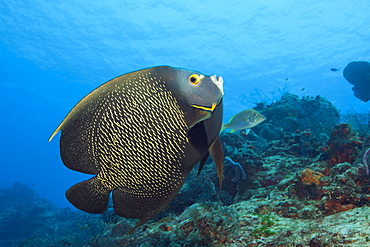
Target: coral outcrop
x,y
298,179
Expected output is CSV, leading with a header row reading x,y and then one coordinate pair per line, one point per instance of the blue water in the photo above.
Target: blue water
x,y
55,52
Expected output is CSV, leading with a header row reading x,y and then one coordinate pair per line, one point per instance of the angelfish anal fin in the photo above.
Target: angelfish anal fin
x,y
218,158
202,163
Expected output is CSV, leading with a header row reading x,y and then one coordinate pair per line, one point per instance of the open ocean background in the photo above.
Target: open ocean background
x,y
55,52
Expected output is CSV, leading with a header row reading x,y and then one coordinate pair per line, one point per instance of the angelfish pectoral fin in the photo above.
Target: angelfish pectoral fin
x,y
199,116
218,158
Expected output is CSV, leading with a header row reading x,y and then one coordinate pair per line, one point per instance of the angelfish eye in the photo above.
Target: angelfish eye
x,y
194,79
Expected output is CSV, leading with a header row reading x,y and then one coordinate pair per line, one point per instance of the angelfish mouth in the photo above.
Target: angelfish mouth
x,y
204,108
219,82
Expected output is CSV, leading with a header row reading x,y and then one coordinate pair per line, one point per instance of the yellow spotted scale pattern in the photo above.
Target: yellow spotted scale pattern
x,y
131,154
129,145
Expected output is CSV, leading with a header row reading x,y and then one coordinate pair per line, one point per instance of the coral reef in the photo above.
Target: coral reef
x,y
28,220
309,177
343,145
359,121
292,113
238,169
365,157
307,185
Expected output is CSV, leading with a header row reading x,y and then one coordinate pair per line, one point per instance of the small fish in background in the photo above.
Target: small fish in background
x,y
334,69
246,119
141,134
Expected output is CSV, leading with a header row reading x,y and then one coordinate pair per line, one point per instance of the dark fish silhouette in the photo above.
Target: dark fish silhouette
x,y
358,74
141,134
334,69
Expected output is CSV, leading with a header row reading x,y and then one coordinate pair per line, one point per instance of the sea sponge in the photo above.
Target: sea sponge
x,y
336,207
308,176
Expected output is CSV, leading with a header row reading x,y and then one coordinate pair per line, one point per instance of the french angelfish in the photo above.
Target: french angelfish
x,y
141,134
246,119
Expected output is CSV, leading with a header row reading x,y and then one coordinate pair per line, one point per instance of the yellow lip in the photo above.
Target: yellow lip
x,y
211,109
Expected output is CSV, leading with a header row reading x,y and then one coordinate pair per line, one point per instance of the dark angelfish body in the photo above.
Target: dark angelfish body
x,y
141,134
